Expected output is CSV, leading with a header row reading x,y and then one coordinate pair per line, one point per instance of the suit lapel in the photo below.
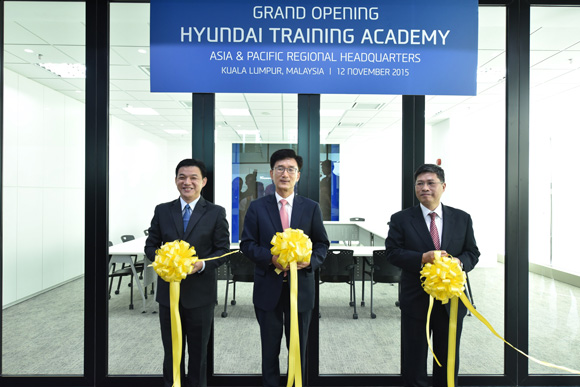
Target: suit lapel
x,y
196,215
177,217
273,212
421,227
296,212
448,226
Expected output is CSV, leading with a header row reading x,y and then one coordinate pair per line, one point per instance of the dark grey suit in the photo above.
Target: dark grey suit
x,y
407,240
208,232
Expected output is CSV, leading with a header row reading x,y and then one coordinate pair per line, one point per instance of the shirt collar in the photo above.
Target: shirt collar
x,y
289,199
191,205
426,211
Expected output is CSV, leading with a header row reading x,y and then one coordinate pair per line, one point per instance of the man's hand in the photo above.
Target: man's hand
x,y
429,256
196,267
302,265
278,266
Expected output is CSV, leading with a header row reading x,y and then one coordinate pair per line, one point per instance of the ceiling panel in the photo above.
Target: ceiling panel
x,y
57,33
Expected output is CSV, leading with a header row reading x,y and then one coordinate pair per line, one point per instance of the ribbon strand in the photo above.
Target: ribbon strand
x,y
444,280
292,246
173,262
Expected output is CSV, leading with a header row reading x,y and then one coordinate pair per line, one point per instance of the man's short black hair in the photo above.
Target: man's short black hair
x,y
282,154
431,168
192,163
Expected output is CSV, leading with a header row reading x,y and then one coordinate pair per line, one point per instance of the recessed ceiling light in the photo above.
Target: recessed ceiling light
x,y
331,112
235,112
140,111
175,131
142,51
28,50
65,70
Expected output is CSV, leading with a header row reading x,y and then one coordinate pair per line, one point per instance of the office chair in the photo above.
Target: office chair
x,y
146,232
357,219
339,266
120,273
126,271
240,269
382,271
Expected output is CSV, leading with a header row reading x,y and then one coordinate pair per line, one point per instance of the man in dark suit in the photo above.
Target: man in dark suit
x,y
264,218
204,226
414,235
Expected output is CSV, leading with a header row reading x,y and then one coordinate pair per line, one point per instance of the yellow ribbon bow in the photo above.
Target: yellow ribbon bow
x,y
444,280
173,262
292,246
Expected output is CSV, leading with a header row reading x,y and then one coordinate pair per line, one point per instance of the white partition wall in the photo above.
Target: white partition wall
x,y
43,183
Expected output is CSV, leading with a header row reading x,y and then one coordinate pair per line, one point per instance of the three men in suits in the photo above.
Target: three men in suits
x,y
271,296
414,234
204,226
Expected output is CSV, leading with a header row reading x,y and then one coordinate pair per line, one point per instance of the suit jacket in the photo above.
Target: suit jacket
x,y
261,224
207,231
409,238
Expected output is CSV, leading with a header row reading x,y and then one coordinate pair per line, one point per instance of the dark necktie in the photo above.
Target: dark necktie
x,y
433,231
186,216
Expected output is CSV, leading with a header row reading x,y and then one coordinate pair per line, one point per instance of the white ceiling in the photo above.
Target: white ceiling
x,y
55,32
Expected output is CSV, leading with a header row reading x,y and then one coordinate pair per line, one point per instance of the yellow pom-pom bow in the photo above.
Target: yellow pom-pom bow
x,y
444,278
174,260
292,245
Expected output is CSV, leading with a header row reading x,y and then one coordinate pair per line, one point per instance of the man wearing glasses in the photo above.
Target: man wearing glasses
x,y
414,234
265,217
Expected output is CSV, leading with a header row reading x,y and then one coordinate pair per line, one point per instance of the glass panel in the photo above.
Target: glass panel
x,y
329,181
366,129
250,127
149,134
463,132
554,135
43,189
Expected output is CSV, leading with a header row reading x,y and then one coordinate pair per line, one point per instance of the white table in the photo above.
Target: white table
x,y
122,252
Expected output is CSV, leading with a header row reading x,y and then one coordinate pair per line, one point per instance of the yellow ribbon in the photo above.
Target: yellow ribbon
x,y
444,280
292,246
173,262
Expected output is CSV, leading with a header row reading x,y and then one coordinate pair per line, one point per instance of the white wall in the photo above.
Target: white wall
x,y
141,175
472,150
554,139
370,179
43,188
43,185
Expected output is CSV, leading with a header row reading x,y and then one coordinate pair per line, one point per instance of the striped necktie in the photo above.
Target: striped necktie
x,y
433,231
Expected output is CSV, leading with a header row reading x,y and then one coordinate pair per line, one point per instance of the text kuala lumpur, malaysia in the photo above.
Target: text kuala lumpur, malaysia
x,y
316,57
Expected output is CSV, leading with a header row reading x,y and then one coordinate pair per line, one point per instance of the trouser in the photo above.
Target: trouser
x,y
271,325
195,327
415,348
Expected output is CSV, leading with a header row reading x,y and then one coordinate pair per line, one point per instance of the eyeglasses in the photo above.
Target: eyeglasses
x,y
430,184
290,170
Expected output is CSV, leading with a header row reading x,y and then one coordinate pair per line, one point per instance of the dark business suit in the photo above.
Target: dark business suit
x,y
407,240
208,232
271,292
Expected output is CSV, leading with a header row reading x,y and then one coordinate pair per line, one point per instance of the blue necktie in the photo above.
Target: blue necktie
x,y
186,216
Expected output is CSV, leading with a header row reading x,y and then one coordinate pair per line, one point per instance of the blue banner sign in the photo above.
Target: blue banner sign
x,y
412,47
